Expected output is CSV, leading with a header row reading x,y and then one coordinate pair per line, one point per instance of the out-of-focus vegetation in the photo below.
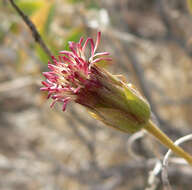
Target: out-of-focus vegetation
x,y
42,148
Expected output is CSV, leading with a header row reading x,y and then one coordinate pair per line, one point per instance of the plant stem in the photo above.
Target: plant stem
x,y
36,35
165,140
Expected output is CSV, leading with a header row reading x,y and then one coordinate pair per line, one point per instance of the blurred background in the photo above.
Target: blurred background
x,y
150,42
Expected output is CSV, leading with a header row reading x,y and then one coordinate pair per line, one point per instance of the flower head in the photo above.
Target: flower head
x,y
76,76
71,72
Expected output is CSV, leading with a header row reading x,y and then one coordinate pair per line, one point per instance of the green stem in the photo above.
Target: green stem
x,y
165,140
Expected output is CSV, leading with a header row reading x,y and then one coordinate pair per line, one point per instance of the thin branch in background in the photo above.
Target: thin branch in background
x,y
157,169
166,161
37,37
131,141
153,180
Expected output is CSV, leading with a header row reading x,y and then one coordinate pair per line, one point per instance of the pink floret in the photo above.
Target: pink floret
x,y
71,71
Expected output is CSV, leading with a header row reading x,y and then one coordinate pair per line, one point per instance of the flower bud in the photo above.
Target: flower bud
x,y
116,103
74,77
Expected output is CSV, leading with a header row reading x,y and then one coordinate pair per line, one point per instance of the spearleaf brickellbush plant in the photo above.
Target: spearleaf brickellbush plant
x,y
76,76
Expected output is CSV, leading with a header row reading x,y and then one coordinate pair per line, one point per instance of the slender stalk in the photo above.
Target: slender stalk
x,y
36,35
165,140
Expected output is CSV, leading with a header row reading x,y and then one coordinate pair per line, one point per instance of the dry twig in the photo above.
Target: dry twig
x,y
37,37
130,142
166,158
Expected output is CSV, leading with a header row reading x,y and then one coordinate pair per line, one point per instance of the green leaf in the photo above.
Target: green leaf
x,y
74,1
93,5
53,48
75,35
29,6
42,55
49,18
89,5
